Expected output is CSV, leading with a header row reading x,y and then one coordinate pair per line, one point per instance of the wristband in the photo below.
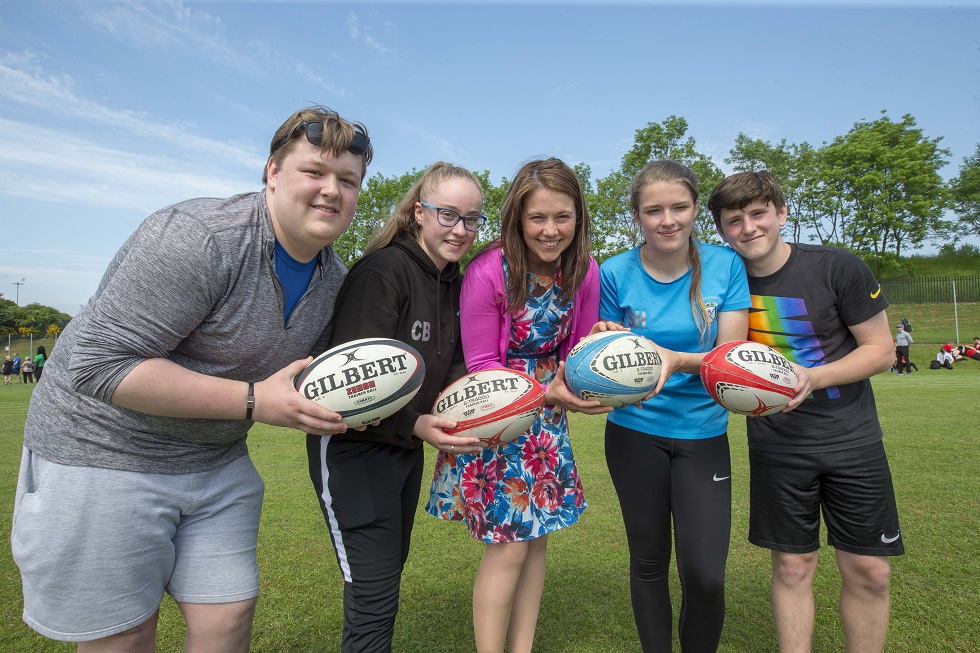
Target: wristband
x,y
250,401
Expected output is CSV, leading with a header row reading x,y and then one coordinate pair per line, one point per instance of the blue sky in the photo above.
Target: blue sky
x,y
112,110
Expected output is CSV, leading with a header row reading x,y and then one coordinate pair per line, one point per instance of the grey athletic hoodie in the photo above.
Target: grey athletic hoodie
x,y
196,284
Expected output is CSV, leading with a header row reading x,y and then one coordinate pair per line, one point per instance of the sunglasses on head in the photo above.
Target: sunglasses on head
x,y
314,134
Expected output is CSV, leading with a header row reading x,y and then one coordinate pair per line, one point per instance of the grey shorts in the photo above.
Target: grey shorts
x,y
97,547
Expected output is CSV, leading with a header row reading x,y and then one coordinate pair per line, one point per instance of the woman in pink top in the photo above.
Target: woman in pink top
x,y
527,298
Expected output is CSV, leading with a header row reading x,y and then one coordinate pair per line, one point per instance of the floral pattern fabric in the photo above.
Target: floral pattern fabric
x,y
530,486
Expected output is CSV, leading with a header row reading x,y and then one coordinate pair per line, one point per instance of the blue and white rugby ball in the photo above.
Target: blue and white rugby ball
x,y
615,368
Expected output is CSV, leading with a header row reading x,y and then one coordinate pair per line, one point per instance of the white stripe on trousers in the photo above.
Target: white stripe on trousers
x,y
338,540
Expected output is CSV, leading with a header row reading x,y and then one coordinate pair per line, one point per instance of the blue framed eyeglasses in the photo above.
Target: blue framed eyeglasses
x,y
449,218
314,134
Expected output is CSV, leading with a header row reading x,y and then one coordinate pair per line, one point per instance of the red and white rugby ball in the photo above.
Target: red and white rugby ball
x,y
496,405
364,380
748,378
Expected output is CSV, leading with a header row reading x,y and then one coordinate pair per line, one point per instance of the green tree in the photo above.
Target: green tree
x,y
8,315
796,168
493,198
375,204
38,317
965,194
887,175
613,226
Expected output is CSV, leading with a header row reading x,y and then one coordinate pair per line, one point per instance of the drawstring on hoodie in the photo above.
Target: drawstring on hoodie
x,y
452,314
439,314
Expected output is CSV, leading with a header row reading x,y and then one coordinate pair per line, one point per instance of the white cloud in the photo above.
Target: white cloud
x,y
314,77
445,148
166,24
353,26
48,165
357,32
27,86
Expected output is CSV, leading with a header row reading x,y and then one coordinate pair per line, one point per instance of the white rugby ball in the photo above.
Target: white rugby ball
x,y
748,378
615,368
364,380
496,405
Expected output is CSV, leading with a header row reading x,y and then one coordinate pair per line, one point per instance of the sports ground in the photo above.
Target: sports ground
x,y
931,435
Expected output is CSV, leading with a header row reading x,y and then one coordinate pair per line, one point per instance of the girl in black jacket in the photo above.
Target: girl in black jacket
x,y
405,287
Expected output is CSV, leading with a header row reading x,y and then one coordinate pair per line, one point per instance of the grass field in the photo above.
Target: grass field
x,y
930,432
934,324
955,265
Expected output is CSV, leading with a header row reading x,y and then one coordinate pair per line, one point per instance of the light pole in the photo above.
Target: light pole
x,y
19,284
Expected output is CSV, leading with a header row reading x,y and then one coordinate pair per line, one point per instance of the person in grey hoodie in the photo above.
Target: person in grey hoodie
x,y
405,287
903,339
135,478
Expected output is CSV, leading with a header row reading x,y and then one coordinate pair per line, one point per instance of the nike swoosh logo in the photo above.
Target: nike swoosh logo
x,y
719,478
889,540
875,294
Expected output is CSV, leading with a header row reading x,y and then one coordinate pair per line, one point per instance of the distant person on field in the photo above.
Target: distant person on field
x,y
16,370
945,356
822,308
903,340
956,351
135,478
27,370
973,351
8,369
39,360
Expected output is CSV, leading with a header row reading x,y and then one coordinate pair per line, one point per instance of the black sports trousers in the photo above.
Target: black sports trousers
x,y
368,493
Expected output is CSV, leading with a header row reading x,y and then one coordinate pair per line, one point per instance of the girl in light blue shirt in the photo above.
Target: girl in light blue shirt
x,y
669,460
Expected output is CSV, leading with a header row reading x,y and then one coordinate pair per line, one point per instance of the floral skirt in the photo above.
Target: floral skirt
x,y
518,491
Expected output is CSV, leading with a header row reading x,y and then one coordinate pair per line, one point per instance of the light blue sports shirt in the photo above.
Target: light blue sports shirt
x,y
662,312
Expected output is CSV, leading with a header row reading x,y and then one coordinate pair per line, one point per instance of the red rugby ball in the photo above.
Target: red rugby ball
x,y
496,405
748,378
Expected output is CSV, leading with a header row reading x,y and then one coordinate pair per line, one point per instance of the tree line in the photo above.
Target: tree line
x,y
876,190
32,319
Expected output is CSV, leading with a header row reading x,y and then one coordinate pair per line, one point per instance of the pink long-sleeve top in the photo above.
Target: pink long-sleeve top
x,y
485,324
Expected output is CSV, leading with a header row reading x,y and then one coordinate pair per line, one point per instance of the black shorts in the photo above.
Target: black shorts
x,y
852,487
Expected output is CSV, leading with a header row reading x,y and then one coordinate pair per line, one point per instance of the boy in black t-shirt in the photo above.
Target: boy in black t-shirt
x,y
822,308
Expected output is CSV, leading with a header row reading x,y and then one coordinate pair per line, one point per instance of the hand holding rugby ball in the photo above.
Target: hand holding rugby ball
x,y
748,378
495,406
615,368
364,380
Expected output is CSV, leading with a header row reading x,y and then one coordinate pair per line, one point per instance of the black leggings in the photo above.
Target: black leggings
x,y
657,478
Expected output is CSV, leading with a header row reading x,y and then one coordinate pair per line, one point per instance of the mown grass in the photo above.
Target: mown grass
x,y
953,265
934,324
930,431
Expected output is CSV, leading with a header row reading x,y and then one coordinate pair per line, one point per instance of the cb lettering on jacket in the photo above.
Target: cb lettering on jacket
x,y
420,330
